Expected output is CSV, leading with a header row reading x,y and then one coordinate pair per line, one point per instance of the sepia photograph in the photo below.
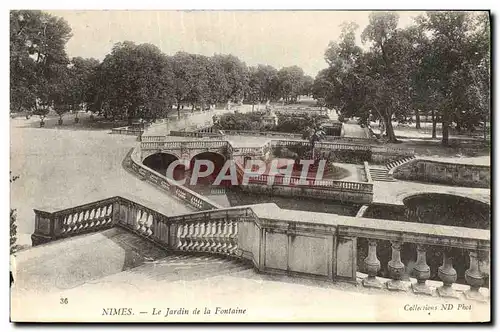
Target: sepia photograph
x,y
290,166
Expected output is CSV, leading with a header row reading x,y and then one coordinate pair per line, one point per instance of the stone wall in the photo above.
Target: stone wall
x,y
342,195
430,171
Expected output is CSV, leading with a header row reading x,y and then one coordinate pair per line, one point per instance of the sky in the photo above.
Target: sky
x,y
277,38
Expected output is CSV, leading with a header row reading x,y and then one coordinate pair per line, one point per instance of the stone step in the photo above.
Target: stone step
x,y
382,175
192,267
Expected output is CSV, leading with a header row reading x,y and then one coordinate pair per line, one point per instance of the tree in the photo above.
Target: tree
x,y
254,89
374,84
82,85
313,134
199,92
460,47
267,76
182,64
290,82
136,82
236,75
388,63
217,83
37,54
307,85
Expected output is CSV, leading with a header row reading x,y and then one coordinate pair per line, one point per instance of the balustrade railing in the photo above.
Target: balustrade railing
x,y
281,180
198,134
92,217
212,231
424,236
127,131
242,232
150,138
391,150
190,197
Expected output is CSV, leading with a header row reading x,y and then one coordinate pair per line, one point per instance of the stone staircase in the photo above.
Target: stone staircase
x,y
381,174
185,267
398,162
114,255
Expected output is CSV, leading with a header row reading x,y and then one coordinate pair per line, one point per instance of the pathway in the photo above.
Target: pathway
x,y
62,168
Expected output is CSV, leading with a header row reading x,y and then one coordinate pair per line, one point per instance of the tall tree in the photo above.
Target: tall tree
x,y
136,80
37,56
454,54
290,80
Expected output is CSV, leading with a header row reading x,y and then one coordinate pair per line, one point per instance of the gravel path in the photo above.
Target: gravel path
x,y
62,168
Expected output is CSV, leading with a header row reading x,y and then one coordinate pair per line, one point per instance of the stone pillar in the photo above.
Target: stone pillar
x,y
448,275
372,266
396,268
422,272
474,278
44,228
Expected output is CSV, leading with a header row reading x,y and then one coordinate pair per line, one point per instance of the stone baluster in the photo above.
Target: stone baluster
x,y
80,220
203,236
208,236
149,224
223,248
73,223
448,275
474,278
67,223
422,272
229,242
396,268
85,219
190,237
218,237
213,234
196,237
182,232
234,237
372,266
142,222
103,216
99,216
90,222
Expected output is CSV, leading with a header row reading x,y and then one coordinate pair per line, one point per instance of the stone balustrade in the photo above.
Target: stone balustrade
x,y
295,186
127,131
52,224
280,180
193,199
278,241
150,138
455,174
379,154
195,134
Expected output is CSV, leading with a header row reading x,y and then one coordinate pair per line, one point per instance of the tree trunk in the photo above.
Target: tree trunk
x,y
179,110
434,122
445,130
417,119
390,130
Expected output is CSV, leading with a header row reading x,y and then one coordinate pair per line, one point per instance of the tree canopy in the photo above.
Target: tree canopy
x,y
439,64
134,80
